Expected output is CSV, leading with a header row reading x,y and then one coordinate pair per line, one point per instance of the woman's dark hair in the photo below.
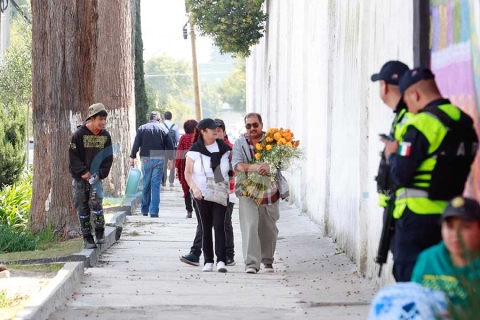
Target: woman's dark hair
x,y
190,125
196,134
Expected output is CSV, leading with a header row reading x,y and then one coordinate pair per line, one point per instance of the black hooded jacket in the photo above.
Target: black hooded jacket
x,y
90,153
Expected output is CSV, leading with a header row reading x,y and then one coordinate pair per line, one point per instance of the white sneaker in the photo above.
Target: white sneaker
x,y
171,185
221,266
208,267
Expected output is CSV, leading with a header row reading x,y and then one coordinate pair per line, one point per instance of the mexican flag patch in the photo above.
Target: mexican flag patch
x,y
404,149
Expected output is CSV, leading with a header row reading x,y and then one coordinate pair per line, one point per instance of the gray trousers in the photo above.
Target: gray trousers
x,y
259,232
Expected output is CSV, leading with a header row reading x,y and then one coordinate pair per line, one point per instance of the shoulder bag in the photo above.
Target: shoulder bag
x,y
215,191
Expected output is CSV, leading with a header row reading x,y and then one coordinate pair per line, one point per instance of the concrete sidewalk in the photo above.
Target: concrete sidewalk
x,y
141,277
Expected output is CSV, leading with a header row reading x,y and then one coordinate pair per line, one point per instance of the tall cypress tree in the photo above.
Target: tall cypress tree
x,y
141,103
12,146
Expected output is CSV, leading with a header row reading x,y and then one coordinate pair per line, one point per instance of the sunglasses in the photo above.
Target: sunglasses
x,y
249,125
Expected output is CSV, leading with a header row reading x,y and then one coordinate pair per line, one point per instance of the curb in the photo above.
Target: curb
x,y
113,231
63,284
117,219
90,256
54,294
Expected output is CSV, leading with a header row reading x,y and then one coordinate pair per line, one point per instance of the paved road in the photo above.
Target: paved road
x,y
141,276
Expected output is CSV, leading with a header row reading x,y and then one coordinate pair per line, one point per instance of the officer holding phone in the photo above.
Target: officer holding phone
x,y
385,137
388,78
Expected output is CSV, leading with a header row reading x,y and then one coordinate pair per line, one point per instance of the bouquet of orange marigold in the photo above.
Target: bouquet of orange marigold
x,y
279,149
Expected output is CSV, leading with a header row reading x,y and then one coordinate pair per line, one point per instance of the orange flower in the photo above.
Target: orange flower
x,y
269,139
258,156
268,147
277,136
289,144
259,147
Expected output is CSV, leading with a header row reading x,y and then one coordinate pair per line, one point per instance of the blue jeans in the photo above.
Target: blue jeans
x,y
152,170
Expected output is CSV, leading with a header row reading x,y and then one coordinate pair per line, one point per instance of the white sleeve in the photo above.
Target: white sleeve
x,y
194,155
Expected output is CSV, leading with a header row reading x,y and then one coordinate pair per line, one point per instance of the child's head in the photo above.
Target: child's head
x,y
461,219
97,114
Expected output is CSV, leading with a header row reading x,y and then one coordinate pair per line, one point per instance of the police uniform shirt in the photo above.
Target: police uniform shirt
x,y
403,168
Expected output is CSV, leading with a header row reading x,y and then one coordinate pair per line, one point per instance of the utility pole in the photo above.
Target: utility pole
x,y
198,100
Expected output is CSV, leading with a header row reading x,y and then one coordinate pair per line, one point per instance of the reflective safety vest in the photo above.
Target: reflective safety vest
x,y
396,131
420,194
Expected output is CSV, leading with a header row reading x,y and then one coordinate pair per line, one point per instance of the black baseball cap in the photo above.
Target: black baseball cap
x,y
221,123
464,208
207,123
391,72
413,76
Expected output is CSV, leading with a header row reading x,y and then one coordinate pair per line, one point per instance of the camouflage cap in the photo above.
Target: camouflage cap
x,y
94,109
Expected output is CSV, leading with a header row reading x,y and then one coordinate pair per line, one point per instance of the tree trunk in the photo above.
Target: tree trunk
x,y
70,58
114,83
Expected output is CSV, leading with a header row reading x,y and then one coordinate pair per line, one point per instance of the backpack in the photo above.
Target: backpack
x,y
172,133
454,157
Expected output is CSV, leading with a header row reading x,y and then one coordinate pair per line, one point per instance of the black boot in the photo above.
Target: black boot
x,y
100,236
88,242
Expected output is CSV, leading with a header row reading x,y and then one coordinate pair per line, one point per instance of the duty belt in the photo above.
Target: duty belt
x,y
412,193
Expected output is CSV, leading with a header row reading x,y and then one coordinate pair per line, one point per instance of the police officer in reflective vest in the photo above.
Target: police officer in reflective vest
x,y
429,164
389,77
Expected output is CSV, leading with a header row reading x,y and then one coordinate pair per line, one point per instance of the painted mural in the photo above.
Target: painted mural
x,y
455,60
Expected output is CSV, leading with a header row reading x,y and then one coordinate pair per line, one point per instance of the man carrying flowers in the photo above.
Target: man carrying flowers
x,y
257,220
258,158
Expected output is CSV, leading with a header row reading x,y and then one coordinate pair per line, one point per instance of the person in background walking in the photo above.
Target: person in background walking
x,y
229,241
172,129
155,147
90,156
184,144
209,157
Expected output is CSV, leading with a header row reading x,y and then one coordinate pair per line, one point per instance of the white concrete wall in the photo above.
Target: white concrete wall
x,y
311,73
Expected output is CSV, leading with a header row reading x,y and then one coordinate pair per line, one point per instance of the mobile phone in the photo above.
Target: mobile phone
x,y
384,136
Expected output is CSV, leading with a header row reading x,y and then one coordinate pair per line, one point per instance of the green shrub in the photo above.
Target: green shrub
x,y
12,147
15,93
15,204
16,241
15,235
47,238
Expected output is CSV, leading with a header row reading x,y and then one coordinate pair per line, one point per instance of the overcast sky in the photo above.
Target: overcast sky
x,y
162,24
